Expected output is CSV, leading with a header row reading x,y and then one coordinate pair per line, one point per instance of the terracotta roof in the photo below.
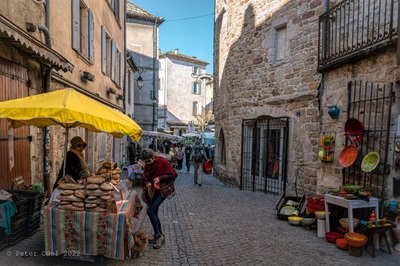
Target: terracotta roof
x,y
133,11
183,57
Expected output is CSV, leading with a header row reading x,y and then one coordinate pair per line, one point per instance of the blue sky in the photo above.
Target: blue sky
x,y
188,26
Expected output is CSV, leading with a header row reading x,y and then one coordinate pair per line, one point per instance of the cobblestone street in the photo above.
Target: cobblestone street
x,y
216,225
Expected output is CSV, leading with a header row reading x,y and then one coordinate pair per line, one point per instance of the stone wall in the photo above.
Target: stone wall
x,y
251,82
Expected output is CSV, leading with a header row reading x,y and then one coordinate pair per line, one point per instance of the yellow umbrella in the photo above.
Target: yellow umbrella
x,y
69,109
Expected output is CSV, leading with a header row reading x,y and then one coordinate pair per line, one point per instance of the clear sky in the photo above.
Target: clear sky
x,y
188,26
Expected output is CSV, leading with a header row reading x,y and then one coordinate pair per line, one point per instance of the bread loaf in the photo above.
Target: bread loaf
x,y
115,176
78,204
107,165
96,201
101,171
97,192
91,197
67,192
80,194
90,205
114,182
105,197
118,170
106,186
92,186
73,186
95,180
69,198
63,202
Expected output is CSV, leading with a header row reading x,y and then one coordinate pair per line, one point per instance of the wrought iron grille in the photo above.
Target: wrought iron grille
x,y
264,154
353,25
371,104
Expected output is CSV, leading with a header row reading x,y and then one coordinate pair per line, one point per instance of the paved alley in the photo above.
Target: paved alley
x,y
216,225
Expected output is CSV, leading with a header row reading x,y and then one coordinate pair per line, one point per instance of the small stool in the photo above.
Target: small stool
x,y
377,235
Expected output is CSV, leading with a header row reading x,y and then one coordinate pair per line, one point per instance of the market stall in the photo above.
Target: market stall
x,y
77,233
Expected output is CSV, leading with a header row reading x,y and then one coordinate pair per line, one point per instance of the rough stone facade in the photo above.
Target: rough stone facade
x,y
266,64
266,61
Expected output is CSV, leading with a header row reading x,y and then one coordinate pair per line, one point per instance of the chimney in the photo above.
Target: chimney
x,y
176,51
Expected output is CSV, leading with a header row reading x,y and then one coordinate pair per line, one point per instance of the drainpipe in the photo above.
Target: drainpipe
x,y
46,88
155,95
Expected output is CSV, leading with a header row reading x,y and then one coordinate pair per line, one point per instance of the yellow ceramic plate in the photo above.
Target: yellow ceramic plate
x,y
370,162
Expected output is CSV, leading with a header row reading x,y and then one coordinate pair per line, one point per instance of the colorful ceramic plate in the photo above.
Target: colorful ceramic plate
x,y
370,162
354,129
348,156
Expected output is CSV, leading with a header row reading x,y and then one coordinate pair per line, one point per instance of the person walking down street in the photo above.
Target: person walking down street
x,y
179,158
159,174
198,157
188,152
132,153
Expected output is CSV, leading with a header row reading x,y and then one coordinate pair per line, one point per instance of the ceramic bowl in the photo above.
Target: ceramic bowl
x,y
355,129
345,222
355,239
332,236
348,156
342,243
294,220
320,215
352,189
308,221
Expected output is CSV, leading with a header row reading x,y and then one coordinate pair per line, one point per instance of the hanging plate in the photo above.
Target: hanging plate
x,y
370,162
348,156
354,129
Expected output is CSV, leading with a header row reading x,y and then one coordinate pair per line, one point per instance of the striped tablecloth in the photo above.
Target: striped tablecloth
x,y
76,233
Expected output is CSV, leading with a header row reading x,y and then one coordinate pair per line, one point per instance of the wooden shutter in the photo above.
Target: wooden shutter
x,y
193,87
116,9
120,72
91,36
198,88
103,50
113,59
76,29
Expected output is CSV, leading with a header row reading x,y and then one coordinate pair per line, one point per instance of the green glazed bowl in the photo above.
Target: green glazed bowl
x,y
352,189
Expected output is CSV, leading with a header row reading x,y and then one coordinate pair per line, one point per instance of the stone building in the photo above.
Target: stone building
x,y
181,97
279,67
44,47
142,39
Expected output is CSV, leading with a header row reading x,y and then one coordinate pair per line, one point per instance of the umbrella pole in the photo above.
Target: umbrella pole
x,y
65,151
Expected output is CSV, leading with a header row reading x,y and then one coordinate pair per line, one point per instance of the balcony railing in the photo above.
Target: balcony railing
x,y
353,26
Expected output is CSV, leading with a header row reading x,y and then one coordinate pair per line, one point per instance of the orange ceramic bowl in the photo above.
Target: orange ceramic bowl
x,y
342,243
355,239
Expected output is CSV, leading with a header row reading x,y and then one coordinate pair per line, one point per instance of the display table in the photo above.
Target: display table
x,y
350,205
77,233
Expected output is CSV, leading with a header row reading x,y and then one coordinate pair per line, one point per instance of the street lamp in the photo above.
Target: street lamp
x,y
139,82
139,79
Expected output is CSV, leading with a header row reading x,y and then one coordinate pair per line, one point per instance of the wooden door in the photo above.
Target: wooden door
x,y
13,84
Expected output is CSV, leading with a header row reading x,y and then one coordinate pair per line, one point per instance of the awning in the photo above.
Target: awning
x,y
15,36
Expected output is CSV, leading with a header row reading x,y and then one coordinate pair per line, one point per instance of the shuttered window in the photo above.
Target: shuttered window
x,y
83,30
195,107
111,58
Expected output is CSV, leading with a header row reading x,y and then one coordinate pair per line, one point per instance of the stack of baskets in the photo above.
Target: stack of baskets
x,y
26,221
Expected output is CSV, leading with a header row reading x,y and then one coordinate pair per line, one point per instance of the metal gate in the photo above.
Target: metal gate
x,y
372,105
264,154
